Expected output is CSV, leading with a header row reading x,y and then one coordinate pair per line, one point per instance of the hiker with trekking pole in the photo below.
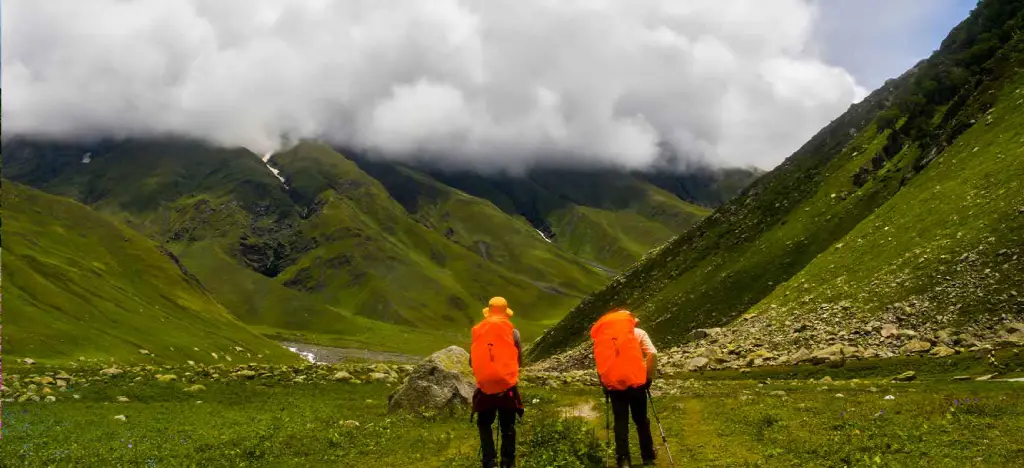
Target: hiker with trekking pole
x,y
495,356
626,364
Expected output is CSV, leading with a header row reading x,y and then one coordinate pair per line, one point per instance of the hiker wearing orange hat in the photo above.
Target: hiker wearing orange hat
x,y
626,361
495,356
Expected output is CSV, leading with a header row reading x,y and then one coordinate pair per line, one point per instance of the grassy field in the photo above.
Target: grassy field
x,y
765,418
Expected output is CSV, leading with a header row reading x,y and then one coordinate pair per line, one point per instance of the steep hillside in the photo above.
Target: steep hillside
x,y
878,159
77,284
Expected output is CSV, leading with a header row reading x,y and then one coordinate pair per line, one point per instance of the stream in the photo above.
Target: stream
x,y
318,354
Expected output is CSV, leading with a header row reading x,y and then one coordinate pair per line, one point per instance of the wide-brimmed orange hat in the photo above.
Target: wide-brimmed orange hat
x,y
496,305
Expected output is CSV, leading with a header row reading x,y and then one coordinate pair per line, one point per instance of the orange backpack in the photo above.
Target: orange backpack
x,y
620,362
494,354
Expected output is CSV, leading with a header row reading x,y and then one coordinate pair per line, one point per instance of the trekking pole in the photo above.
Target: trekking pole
x,y
662,429
607,428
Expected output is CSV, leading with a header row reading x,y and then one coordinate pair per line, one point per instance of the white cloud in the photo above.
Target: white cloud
x,y
484,83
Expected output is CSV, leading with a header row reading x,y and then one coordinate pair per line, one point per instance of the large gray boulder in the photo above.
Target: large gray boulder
x,y
442,382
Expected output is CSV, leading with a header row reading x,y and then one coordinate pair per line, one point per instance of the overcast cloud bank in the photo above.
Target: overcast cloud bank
x,y
480,83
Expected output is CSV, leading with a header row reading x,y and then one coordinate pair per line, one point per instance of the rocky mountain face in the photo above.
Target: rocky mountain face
x,y
898,229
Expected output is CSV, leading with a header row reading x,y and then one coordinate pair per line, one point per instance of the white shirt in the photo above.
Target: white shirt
x,y
645,342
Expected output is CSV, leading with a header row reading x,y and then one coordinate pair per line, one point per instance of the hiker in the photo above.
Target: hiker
x,y
626,361
495,356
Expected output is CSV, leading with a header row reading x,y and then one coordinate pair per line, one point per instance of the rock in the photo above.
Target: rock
x,y
908,376
761,354
50,399
826,379
194,388
28,361
714,356
946,337
46,390
801,327
961,378
443,381
982,352
112,371
123,399
121,418
915,346
802,355
350,423
942,351
378,377
698,334
144,352
168,378
908,334
245,374
341,376
697,364
45,380
777,393
853,352
831,354
889,330
986,377
1012,328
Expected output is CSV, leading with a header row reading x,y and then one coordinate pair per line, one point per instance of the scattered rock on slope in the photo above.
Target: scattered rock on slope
x,y
916,346
697,364
341,376
942,351
442,381
907,376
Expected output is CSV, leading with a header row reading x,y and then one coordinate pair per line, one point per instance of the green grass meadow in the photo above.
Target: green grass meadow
x,y
773,418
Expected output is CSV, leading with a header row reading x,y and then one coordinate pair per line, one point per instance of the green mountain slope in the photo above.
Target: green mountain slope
x,y
77,284
349,252
737,257
606,217
376,260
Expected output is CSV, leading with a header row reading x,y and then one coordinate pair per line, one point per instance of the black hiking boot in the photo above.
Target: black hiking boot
x,y
506,463
624,462
648,462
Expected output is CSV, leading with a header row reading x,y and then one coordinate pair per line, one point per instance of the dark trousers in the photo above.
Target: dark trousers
x,y
623,402
507,424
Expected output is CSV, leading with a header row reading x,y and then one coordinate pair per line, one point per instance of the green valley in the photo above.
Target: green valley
x,y
362,253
